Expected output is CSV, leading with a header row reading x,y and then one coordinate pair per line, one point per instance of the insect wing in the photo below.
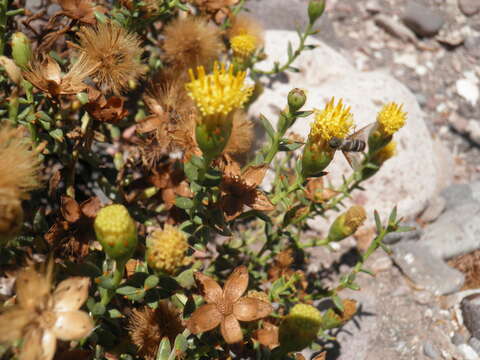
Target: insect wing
x,y
355,159
363,133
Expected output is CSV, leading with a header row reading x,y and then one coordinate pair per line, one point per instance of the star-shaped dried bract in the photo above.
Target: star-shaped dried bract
x,y
241,188
47,76
226,307
42,316
81,10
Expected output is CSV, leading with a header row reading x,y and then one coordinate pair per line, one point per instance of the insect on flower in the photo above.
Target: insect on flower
x,y
353,146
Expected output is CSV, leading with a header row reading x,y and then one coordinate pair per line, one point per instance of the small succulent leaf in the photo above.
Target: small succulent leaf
x,y
164,349
267,126
184,203
151,282
338,302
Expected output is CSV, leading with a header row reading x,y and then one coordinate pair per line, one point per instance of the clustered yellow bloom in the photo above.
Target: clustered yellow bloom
x,y
354,217
391,118
243,45
300,327
217,95
166,249
333,121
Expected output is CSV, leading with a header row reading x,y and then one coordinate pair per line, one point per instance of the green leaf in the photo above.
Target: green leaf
x,y
186,279
127,290
57,134
197,161
366,271
294,69
393,216
303,114
378,222
115,314
180,345
267,126
191,171
289,50
338,302
98,309
164,349
353,286
184,203
287,145
151,282
405,229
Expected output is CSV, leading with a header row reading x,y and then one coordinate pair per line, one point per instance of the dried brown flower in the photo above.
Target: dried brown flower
x,y
241,139
71,236
81,10
114,52
47,76
282,265
226,307
109,111
316,191
147,327
241,188
218,10
267,335
191,42
41,316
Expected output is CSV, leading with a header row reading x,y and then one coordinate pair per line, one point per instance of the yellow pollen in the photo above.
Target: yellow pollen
x,y
219,93
243,45
391,118
333,121
166,249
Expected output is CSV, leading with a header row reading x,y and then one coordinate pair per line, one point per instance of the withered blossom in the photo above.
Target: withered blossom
x,y
147,327
191,42
41,316
47,76
218,10
71,236
239,189
108,111
317,192
114,52
226,307
81,10
267,335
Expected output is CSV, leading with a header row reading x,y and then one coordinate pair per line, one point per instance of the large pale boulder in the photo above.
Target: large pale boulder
x,y
407,181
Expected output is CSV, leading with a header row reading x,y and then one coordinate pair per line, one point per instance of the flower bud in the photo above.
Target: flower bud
x,y
12,70
21,49
379,157
166,249
116,232
296,99
300,327
315,159
347,223
213,137
11,214
315,10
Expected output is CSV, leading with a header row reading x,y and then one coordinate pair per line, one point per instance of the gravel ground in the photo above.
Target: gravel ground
x,y
437,69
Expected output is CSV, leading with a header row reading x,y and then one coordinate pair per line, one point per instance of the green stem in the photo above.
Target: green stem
x,y
108,294
3,24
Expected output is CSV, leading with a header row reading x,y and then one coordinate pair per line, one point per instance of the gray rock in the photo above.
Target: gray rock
x,y
472,44
290,15
455,232
469,7
468,352
457,194
431,351
475,344
423,21
395,28
471,314
435,208
373,7
425,269
475,187
458,339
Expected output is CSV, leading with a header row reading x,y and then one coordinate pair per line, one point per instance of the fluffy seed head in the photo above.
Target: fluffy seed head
x,y
166,249
219,93
246,35
191,42
391,118
115,52
333,120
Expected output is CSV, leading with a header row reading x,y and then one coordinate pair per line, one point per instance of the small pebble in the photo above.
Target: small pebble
x,y
422,20
430,350
468,352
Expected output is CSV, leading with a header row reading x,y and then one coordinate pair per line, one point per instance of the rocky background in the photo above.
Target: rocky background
x,y
424,302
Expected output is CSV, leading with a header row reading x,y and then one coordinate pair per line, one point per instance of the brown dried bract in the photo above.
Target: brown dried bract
x,y
80,10
218,10
316,191
226,307
47,76
42,316
282,265
241,188
109,111
267,335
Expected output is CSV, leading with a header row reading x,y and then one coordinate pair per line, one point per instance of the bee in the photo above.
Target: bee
x,y
353,146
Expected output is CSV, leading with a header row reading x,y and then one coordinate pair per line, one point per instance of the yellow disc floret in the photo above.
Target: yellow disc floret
x,y
243,45
391,118
166,249
333,121
217,94
116,231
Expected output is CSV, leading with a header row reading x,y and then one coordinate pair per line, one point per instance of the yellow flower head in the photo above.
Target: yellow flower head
x,y
243,45
355,217
391,118
217,95
300,327
166,249
385,153
333,121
